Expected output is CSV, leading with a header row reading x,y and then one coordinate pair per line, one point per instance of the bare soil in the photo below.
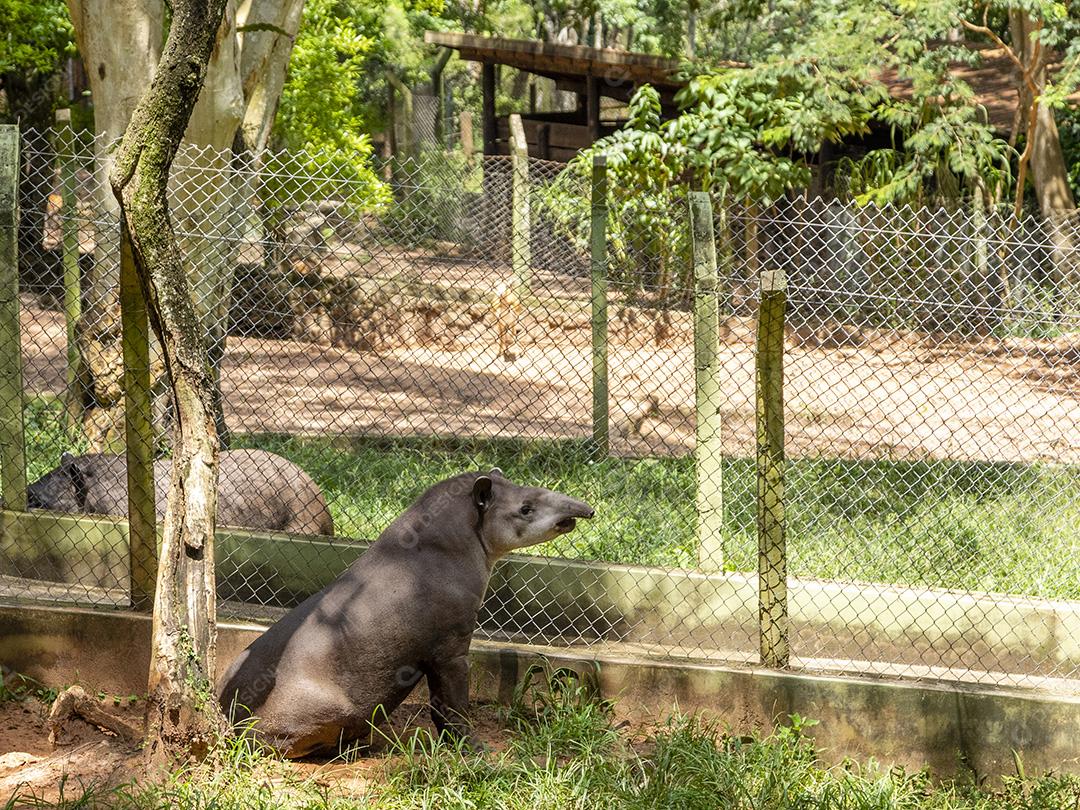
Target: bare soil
x,y
89,757
884,395
85,756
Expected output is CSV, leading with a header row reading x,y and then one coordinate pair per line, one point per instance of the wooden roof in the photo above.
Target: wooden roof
x,y
615,67
993,80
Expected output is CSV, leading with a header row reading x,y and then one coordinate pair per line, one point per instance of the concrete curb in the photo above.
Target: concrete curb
x,y
949,728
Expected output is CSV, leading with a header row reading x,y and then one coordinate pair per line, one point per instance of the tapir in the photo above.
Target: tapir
x,y
256,490
339,663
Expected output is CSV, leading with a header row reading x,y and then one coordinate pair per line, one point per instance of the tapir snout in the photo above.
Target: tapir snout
x,y
573,509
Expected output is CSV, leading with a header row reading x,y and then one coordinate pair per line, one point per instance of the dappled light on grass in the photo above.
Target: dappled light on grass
x,y
919,523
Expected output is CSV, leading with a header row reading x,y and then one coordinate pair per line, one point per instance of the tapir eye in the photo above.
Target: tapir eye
x,y
527,509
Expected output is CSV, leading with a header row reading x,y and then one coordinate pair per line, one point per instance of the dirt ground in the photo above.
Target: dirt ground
x,y
895,396
86,756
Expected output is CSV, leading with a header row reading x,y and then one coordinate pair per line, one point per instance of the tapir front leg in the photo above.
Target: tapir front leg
x,y
448,685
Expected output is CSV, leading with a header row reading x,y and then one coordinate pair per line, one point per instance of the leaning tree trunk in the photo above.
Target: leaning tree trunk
x,y
183,716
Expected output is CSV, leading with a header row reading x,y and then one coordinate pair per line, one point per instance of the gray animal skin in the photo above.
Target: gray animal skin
x,y
256,490
344,659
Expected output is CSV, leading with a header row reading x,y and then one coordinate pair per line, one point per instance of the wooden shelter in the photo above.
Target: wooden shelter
x,y
596,73
591,73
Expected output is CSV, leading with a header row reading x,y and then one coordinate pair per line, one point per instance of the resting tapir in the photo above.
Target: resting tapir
x,y
256,490
346,657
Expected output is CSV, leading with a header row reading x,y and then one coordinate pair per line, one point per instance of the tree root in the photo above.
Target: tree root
x,y
74,701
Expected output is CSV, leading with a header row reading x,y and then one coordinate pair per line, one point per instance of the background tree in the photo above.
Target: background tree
x,y
183,716
120,43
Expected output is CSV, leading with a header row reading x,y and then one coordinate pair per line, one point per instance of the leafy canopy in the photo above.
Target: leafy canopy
x,y
38,34
319,115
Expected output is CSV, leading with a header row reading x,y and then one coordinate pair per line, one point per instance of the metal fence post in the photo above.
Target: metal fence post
x,y
138,431
69,229
598,262
707,447
12,435
769,406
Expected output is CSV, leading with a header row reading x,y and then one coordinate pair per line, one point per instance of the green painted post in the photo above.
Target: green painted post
x,y
707,447
598,262
138,431
769,406
12,433
69,229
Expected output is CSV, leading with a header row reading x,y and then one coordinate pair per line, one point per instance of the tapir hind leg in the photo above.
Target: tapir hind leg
x,y
448,684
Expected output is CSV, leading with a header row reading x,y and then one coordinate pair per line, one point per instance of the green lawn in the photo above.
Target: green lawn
x,y
560,749
992,527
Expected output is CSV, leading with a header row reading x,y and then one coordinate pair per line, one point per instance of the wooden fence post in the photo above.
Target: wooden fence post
x,y
465,125
138,431
438,90
69,229
512,298
520,224
769,406
12,433
707,447
407,145
598,262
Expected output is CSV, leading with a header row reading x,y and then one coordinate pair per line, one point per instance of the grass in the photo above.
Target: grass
x,y
563,749
950,524
966,525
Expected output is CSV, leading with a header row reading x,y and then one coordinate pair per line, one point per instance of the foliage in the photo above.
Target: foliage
x,y
749,131
38,35
318,116
647,239
744,133
430,191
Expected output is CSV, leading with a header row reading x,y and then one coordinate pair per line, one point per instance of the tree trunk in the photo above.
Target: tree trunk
x,y
120,42
183,716
1049,174
120,58
264,62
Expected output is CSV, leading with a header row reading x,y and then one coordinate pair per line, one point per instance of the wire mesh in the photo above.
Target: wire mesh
x,y
374,336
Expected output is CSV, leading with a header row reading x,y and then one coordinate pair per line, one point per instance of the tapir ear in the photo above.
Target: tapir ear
x,y
481,492
498,472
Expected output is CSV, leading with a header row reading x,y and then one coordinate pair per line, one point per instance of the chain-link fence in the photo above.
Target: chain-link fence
x,y
884,478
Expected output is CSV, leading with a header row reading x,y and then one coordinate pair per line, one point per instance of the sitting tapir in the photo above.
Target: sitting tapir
x,y
256,490
344,659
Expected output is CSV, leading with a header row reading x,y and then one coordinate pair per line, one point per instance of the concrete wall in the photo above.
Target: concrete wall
x,y
949,728
835,626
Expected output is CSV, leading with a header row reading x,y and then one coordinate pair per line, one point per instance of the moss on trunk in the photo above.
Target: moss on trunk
x,y
183,716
